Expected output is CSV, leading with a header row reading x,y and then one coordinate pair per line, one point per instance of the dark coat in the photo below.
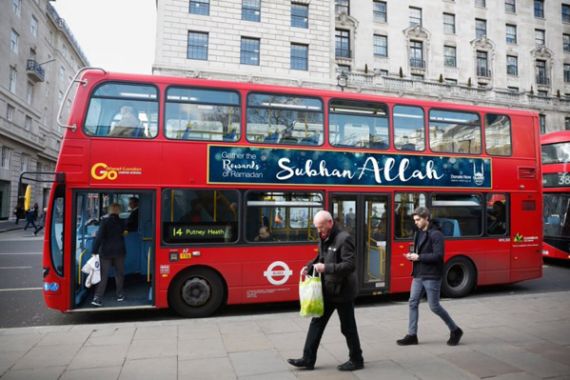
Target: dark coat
x,y
109,241
430,249
340,283
133,220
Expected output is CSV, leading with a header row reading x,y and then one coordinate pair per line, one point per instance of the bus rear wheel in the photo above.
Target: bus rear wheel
x,y
196,293
458,277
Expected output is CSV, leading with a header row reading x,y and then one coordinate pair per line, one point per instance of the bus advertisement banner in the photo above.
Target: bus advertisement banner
x,y
256,165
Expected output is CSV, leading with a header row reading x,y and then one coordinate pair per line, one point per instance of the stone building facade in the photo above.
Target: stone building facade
x,y
506,53
39,58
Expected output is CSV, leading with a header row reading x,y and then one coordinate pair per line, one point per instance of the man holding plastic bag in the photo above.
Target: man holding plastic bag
x,y
336,265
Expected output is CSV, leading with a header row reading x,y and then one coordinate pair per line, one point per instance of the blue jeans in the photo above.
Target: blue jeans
x,y
432,289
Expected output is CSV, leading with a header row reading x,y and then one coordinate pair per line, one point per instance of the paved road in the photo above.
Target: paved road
x,y
21,296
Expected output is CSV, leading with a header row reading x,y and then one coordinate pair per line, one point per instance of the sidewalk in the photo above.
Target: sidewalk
x,y
511,337
10,225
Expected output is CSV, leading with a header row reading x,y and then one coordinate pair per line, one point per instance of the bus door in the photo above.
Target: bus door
x,y
365,217
90,209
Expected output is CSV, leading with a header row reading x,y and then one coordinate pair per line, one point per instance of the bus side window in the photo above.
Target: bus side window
x,y
405,203
458,214
497,216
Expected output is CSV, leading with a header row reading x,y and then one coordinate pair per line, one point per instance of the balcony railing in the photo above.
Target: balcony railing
x,y
416,63
483,72
542,79
35,71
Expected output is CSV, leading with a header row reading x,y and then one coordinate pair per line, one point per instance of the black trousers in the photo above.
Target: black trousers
x,y
348,328
106,264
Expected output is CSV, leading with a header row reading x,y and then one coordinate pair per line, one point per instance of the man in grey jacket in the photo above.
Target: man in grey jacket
x,y
336,263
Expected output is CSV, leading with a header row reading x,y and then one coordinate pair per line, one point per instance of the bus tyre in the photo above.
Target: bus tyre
x,y
196,293
458,277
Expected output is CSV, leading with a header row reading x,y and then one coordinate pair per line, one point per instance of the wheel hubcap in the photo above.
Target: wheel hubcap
x,y
196,291
456,276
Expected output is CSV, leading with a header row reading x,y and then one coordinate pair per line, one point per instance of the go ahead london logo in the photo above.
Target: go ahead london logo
x,y
101,171
317,167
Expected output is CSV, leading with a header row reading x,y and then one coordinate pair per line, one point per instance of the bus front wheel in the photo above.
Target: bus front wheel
x,y
458,277
196,293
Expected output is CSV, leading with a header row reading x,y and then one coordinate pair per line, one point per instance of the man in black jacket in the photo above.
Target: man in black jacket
x,y
427,276
336,263
110,246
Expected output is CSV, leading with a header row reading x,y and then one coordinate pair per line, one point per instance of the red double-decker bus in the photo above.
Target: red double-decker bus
x,y
556,189
228,177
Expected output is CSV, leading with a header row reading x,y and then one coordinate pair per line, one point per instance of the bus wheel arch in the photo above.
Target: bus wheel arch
x,y
197,292
459,277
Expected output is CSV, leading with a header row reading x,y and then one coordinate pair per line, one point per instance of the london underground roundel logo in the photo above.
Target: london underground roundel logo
x,y
279,270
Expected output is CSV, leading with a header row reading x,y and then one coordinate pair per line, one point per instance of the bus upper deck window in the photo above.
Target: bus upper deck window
x,y
409,131
498,135
283,119
454,132
202,114
123,110
358,124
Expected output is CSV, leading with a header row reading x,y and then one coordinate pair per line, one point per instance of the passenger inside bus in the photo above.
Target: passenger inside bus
x,y
498,225
264,234
129,125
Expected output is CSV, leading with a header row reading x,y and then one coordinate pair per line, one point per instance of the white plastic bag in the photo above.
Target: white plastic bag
x,y
311,296
93,270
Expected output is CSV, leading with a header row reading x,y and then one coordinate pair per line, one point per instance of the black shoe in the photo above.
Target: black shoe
x,y
96,302
408,340
455,337
351,366
301,363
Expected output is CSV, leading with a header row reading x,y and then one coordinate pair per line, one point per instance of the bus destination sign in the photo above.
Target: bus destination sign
x,y
556,179
191,233
227,164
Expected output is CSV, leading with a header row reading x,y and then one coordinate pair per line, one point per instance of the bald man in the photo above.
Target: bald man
x,y
336,263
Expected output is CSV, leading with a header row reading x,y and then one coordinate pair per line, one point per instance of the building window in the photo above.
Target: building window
x,y
342,6
13,78
343,68
10,111
28,123
513,89
5,157
14,38
24,162
380,11
417,54
450,56
449,23
415,16
299,57
480,3
418,77
251,10
380,45
17,7
483,64
198,45
29,92
480,28
566,13
541,76
300,15
342,43
510,6
249,51
542,93
540,37
567,73
451,81
542,122
539,8
512,65
200,7
511,34
34,26
566,125
566,42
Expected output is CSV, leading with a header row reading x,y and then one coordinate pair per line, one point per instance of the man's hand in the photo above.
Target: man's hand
x,y
413,257
320,267
304,271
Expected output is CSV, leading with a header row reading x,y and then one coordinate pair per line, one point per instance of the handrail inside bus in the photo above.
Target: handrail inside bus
x,y
74,80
